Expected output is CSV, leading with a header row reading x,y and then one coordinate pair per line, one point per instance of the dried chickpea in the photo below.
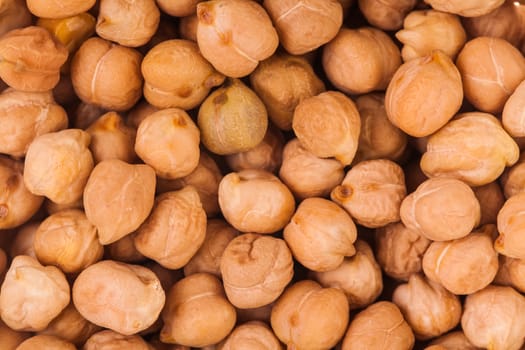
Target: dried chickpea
x,y
178,8
59,8
168,141
307,175
473,147
372,192
358,276
22,243
188,26
13,14
491,199
441,209
175,229
491,69
511,273
513,114
58,164
197,312
399,250
45,342
454,340
468,8
17,203
510,225
107,74
512,180
379,326
124,250
282,81
491,318
386,14
10,339
255,201
303,26
32,295
308,316
320,234
176,75
432,84
122,297
429,308
254,335
30,59
110,340
118,197
234,35
427,30
255,269
361,60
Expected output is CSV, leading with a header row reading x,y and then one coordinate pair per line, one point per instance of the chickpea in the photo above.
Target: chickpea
x,y
512,114
14,14
511,273
255,201
118,197
469,8
386,15
361,60
454,340
509,223
188,26
179,8
110,340
124,250
59,8
255,269
491,199
45,342
251,335
234,35
372,192
32,295
503,329
10,339
376,326
197,312
22,243
309,316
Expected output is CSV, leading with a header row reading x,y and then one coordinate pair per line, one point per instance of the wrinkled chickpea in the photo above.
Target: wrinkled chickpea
x,y
251,335
13,14
110,340
386,14
45,342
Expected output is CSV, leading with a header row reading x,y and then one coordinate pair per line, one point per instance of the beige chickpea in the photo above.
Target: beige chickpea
x,y
469,8
282,81
168,141
429,308
473,147
122,297
234,35
441,209
59,8
454,340
124,250
328,125
175,229
513,114
491,199
14,14
320,234
379,326
179,8
399,250
386,15
188,26
208,257
22,243
358,276
31,59
118,197
45,342
107,74
511,273
58,164
197,312
17,203
307,175
309,316
255,269
176,75
24,309
432,84
251,335
10,339
111,138
510,224
303,26
491,318
491,69
372,192
255,201
110,340
427,30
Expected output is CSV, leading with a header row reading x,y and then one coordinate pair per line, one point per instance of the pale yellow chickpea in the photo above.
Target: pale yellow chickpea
x,y
32,295
255,269
454,340
59,8
121,297
361,60
491,199
124,250
110,340
386,14
251,335
510,225
22,243
10,339
511,273
197,312
45,342
118,197
320,234
379,326
491,318
14,14
372,192
358,276
178,8
255,201
466,8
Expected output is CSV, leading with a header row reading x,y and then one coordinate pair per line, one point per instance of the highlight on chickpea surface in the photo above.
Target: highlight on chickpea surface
x,y
262,174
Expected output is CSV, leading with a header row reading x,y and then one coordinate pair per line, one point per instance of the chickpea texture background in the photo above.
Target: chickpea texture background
x,y
262,174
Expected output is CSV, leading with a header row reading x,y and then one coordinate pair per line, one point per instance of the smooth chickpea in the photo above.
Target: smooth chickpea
x,y
469,8
255,201
14,14
179,8
59,8
110,340
234,35
197,312
251,335
255,269
22,243
118,197
310,316
510,223
372,192
45,342
491,199
32,295
361,60
376,326
10,339
386,15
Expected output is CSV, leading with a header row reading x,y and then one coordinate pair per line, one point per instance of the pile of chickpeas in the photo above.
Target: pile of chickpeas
x,y
262,175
